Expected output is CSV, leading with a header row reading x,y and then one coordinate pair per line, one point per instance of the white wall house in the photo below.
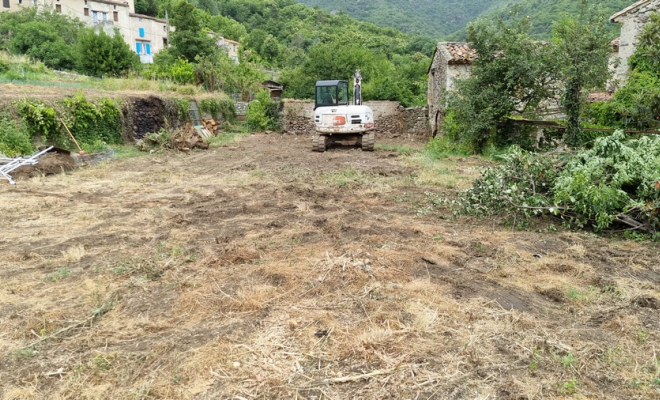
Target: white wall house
x,y
144,34
632,20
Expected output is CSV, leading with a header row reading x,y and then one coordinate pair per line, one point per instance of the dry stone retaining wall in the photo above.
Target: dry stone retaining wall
x,y
391,118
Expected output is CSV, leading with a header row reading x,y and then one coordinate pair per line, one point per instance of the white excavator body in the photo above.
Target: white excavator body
x,y
337,120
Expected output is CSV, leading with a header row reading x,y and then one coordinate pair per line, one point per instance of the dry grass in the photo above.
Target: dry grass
x,y
242,273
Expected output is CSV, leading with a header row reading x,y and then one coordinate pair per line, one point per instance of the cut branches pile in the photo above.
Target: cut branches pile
x,y
613,186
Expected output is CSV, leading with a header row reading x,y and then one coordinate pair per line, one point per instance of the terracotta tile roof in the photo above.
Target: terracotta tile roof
x,y
628,9
459,52
599,96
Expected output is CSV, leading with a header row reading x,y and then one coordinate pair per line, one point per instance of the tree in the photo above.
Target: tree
x,y
189,39
146,7
512,75
582,55
100,55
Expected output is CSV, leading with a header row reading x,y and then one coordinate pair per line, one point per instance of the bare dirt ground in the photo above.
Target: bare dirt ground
x,y
263,270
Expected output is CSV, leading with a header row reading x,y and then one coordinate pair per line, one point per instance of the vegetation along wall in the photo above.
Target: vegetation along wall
x,y
96,121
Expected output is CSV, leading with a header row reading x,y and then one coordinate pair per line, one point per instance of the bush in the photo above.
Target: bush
x,y
616,183
40,119
13,140
91,123
263,113
103,55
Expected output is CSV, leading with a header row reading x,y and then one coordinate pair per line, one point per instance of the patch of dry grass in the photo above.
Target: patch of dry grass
x,y
231,276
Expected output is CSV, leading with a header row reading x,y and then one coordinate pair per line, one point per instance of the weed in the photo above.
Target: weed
x,y
581,296
570,387
568,361
534,364
26,352
103,363
642,335
58,275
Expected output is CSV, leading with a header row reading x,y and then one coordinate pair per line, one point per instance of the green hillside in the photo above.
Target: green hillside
x,y
544,12
448,18
435,18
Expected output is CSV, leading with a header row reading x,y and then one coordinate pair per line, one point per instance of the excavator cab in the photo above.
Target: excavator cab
x,y
337,120
331,94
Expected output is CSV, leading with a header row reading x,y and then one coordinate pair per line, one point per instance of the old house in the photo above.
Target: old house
x,y
144,34
632,20
274,88
451,60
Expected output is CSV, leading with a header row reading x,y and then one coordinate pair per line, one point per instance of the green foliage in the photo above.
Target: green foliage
x,y
512,75
91,123
146,7
582,57
104,55
404,81
45,36
426,17
189,40
94,125
40,119
14,140
617,182
543,14
220,109
263,113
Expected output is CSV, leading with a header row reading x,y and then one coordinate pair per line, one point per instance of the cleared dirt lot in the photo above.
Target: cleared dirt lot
x,y
263,270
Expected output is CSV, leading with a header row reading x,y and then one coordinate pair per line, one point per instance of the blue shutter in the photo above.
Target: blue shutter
x,y
141,32
148,46
138,48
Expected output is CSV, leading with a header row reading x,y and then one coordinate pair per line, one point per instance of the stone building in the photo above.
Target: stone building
x,y
451,60
632,20
144,34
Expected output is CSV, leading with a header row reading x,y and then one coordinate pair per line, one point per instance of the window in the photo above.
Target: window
x,y
5,3
95,17
148,48
138,47
58,8
115,16
164,28
141,30
165,42
86,12
20,1
105,16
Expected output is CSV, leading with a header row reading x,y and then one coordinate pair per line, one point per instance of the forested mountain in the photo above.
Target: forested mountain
x,y
543,13
436,18
442,19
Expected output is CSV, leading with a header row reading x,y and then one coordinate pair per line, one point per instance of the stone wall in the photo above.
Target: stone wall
x,y
391,118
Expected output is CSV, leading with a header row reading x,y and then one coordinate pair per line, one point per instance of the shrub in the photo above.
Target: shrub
x,y
263,113
617,182
13,140
40,119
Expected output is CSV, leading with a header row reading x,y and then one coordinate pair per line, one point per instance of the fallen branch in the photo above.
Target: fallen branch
x,y
353,378
95,314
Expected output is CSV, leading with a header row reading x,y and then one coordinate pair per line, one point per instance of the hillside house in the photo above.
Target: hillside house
x,y
144,34
231,46
632,20
451,60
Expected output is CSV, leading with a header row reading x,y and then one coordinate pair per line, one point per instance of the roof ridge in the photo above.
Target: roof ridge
x,y
628,9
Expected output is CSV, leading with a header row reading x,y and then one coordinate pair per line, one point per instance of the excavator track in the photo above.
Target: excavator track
x,y
368,141
318,143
